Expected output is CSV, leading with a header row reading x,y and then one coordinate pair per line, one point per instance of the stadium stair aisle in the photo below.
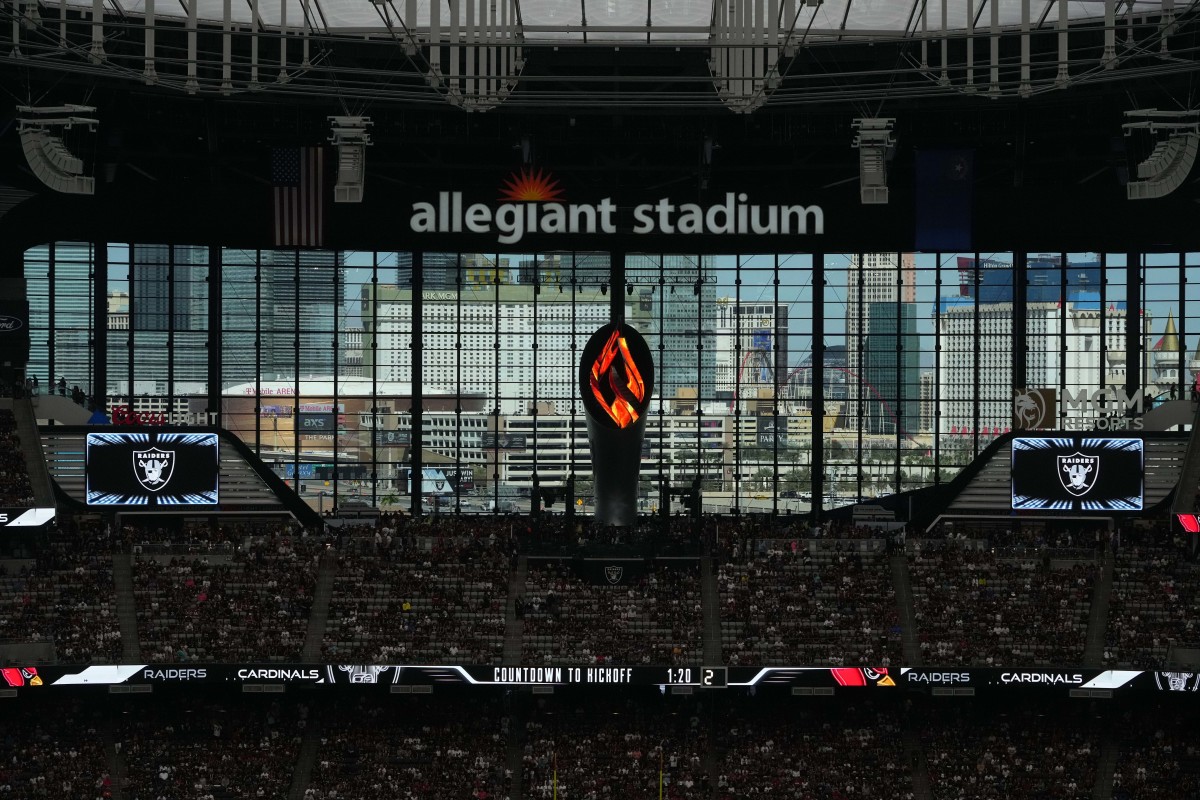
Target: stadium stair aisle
x,y
710,598
1093,651
318,615
31,449
1109,750
922,790
904,604
514,626
131,649
712,762
516,762
306,759
116,759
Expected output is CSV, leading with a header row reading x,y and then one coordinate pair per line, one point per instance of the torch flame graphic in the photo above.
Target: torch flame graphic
x,y
622,379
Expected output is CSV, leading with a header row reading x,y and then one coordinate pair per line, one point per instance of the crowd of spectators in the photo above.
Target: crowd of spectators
x,y
649,618
984,607
1034,752
53,748
848,751
398,604
599,747
192,749
1155,594
65,594
425,748
833,605
250,605
1158,757
15,488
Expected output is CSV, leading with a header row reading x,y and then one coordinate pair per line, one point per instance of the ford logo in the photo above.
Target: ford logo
x,y
11,323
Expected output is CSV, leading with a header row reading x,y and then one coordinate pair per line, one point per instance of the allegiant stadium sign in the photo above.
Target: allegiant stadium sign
x,y
512,221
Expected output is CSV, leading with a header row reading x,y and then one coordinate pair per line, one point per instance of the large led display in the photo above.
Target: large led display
x,y
1077,474
152,469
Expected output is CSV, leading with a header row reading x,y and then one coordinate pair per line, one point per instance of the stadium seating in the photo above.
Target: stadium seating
x,y
421,749
15,488
829,605
622,746
1046,750
850,750
65,595
979,606
569,620
403,605
1153,606
229,749
249,606
54,748
1158,757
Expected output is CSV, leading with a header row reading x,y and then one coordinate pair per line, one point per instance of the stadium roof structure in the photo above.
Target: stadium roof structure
x,y
634,99
482,54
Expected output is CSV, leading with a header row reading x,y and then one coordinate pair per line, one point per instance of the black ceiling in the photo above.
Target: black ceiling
x,y
1049,168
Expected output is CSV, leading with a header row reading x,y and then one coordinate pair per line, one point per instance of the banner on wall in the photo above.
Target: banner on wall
x,y
945,194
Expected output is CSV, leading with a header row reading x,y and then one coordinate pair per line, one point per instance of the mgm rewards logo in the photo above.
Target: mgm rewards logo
x,y
1034,409
1084,410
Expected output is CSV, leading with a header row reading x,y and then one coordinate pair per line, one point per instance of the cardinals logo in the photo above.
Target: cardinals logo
x,y
862,676
18,676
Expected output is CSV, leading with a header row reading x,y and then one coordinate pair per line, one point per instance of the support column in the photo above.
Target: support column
x,y
99,334
418,392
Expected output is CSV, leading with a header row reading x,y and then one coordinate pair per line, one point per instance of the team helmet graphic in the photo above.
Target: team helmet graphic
x,y
20,676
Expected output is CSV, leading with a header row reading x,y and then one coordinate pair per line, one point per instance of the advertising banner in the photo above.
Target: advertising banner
x,y
503,441
25,517
989,679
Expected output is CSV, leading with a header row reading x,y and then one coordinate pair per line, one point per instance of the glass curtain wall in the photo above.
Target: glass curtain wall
x,y
447,382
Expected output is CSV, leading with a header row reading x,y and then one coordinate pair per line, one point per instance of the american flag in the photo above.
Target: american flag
x,y
298,179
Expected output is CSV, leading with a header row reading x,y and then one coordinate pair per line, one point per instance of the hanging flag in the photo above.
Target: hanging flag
x,y
945,190
298,186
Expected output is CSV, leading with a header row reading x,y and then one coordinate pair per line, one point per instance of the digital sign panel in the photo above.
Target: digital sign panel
x,y
319,423
1086,473
156,469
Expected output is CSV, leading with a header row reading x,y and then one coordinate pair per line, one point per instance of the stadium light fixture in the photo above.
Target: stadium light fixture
x,y
40,130
350,137
875,146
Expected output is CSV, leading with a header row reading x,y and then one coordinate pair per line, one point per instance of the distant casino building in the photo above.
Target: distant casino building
x,y
520,332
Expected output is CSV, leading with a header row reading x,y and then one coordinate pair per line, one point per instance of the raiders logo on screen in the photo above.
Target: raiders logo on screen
x,y
153,468
1177,681
1078,472
364,673
614,574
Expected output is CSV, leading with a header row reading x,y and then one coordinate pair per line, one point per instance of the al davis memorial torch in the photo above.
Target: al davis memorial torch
x,y
616,377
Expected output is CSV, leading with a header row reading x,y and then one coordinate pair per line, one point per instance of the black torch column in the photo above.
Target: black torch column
x,y
616,374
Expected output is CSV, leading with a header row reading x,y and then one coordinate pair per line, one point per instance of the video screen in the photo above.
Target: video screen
x,y
152,469
1077,474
